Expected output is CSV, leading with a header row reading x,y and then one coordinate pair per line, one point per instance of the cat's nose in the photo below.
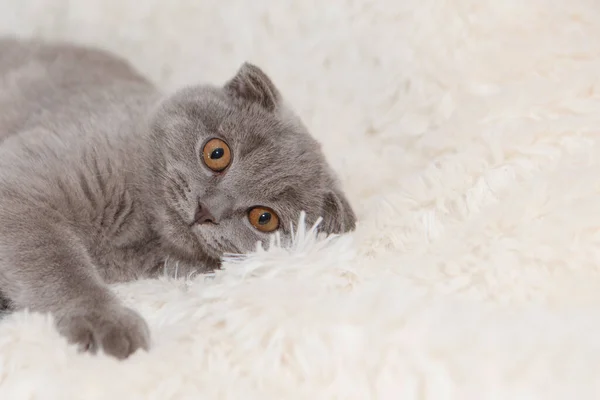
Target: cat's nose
x,y
204,216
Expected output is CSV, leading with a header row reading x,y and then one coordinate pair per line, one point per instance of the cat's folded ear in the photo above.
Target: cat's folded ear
x,y
338,216
251,84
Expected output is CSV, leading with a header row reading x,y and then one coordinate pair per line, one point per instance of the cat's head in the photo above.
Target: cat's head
x,y
232,165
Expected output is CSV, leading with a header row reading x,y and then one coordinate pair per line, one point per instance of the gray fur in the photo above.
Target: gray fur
x,y
101,174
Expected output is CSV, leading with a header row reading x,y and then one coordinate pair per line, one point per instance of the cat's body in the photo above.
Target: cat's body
x,y
43,118
102,179
76,116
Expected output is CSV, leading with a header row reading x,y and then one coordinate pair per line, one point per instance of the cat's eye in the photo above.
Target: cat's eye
x,y
216,155
264,219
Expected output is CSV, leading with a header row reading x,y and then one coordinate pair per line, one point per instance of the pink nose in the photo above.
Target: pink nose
x,y
203,215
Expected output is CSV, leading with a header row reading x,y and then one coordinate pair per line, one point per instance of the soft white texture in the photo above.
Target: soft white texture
x,y
466,135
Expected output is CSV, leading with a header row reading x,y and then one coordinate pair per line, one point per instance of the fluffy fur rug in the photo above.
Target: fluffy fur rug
x,y
466,133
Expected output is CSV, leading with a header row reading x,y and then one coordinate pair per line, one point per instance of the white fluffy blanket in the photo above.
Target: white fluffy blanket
x,y
466,134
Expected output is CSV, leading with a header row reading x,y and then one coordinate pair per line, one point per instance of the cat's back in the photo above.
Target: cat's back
x,y
58,86
60,56
70,141
68,120
63,106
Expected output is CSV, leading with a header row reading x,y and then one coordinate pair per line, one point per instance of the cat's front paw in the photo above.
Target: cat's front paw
x,y
118,331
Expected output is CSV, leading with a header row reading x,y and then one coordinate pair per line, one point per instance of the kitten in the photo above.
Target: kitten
x,y
104,179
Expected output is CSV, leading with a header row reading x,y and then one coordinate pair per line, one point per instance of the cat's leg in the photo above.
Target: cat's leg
x,y
45,268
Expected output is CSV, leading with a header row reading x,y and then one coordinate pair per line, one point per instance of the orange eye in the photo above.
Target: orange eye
x,y
216,155
264,219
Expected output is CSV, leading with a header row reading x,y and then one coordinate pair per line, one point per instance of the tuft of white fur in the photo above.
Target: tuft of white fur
x,y
466,134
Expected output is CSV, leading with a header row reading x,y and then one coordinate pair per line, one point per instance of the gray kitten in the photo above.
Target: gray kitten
x,y
104,179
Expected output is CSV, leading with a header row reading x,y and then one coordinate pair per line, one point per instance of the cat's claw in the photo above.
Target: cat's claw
x,y
117,331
